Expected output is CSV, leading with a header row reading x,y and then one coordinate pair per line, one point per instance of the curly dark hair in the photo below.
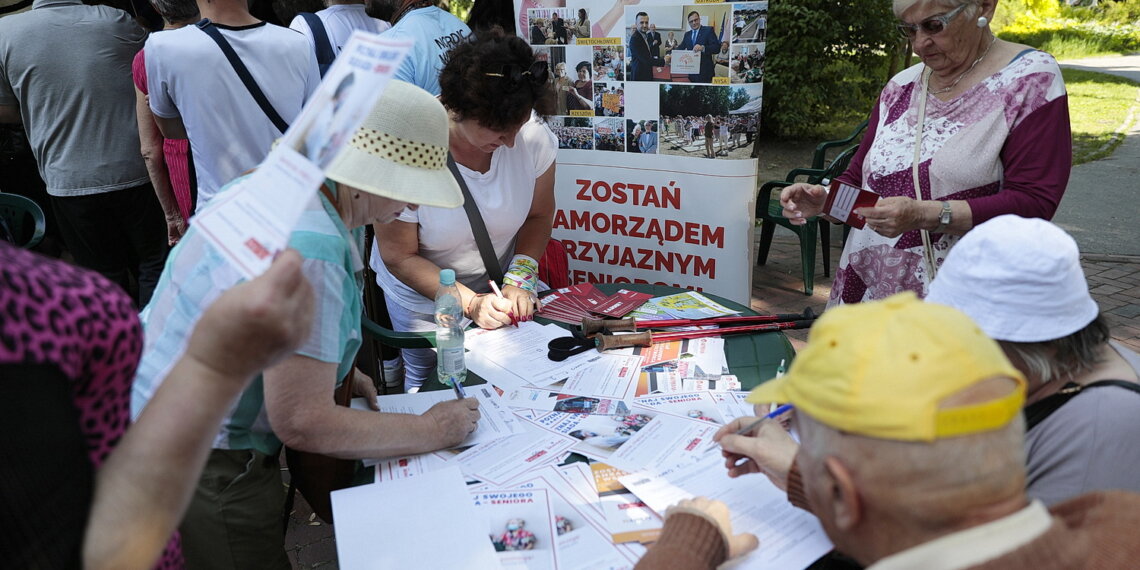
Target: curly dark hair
x,y
494,79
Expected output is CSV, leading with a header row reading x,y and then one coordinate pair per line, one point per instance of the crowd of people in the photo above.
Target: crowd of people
x,y
960,404
580,138
718,135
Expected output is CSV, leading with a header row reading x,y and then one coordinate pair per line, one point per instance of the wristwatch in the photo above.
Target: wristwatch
x,y
944,218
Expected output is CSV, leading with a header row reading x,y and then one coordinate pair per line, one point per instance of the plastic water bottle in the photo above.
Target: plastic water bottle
x,y
449,331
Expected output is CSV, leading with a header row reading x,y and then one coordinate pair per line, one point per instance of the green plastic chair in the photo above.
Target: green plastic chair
x,y
768,208
16,211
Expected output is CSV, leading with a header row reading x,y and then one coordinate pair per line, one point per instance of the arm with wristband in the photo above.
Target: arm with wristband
x,y
521,278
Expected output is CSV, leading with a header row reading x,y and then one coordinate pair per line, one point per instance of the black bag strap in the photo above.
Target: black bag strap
x,y
246,78
321,40
478,228
1036,412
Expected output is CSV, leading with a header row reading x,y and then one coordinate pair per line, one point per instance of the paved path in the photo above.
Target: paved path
x,y
1101,208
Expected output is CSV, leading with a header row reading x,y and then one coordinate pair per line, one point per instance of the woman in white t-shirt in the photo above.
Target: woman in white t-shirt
x,y
493,90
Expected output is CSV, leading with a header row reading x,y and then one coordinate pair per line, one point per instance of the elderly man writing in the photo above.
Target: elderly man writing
x,y
911,455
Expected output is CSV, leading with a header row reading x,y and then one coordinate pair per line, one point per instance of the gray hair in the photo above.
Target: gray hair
x,y
177,11
924,483
901,6
1060,358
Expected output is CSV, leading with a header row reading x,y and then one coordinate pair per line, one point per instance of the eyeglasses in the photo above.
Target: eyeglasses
x,y
930,26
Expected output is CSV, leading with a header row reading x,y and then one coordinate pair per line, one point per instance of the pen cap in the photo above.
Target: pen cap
x,y
447,277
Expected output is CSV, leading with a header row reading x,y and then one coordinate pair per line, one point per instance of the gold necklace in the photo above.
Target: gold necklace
x,y
968,70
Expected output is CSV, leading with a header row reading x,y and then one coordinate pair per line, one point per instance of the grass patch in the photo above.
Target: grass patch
x,y
1101,109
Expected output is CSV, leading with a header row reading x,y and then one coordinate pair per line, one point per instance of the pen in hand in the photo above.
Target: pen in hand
x,y
456,385
499,294
748,428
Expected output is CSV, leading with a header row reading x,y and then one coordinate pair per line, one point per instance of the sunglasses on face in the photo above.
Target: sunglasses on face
x,y
931,26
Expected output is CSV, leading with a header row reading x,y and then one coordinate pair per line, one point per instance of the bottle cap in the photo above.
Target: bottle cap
x,y
447,277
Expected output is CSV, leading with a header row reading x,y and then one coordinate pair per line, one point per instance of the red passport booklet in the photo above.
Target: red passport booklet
x,y
843,199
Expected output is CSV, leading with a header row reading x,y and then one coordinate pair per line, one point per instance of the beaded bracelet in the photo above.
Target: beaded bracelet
x,y
522,273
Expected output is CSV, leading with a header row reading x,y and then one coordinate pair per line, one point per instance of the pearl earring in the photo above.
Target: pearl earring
x,y
982,21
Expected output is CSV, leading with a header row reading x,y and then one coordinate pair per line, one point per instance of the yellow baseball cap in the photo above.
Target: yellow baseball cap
x,y
882,368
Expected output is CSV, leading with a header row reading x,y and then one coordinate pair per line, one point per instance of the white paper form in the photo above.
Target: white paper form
x,y
403,467
723,384
597,436
522,351
789,537
732,405
250,223
504,459
581,544
665,442
605,376
548,401
495,419
400,524
520,524
579,476
700,406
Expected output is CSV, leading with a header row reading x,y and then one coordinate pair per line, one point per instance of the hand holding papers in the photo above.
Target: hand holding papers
x,y
843,199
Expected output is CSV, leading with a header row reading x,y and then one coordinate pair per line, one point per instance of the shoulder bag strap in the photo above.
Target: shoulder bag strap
x,y
478,228
246,78
1036,412
324,47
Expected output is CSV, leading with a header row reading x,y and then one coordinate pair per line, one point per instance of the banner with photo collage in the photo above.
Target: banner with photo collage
x,y
657,106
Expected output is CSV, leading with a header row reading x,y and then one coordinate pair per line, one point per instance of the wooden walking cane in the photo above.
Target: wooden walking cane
x,y
591,326
647,338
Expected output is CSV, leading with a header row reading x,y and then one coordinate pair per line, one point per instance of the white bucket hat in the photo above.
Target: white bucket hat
x,y
400,151
1020,279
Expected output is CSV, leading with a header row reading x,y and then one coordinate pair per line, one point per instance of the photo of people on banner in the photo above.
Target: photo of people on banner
x,y
709,120
701,31
573,132
708,58
556,26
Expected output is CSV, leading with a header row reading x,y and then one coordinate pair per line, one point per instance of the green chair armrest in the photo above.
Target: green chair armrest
x,y
390,337
819,158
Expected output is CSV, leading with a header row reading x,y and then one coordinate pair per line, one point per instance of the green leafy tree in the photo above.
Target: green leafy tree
x,y
825,62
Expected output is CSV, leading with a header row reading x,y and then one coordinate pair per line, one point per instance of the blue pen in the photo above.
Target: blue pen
x,y
776,412
460,393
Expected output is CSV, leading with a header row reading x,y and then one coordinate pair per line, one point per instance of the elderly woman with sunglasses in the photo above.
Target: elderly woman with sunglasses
x,y
978,129
492,88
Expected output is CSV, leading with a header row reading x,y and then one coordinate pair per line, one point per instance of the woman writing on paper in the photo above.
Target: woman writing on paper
x,y
492,87
978,129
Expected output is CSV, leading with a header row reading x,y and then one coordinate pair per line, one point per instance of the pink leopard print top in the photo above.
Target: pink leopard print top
x,y
56,314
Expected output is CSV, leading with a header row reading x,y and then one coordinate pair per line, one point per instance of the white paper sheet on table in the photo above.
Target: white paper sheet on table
x,y
549,401
596,435
665,442
627,518
521,350
495,419
403,467
605,376
504,459
582,544
402,524
789,537
700,406
532,507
